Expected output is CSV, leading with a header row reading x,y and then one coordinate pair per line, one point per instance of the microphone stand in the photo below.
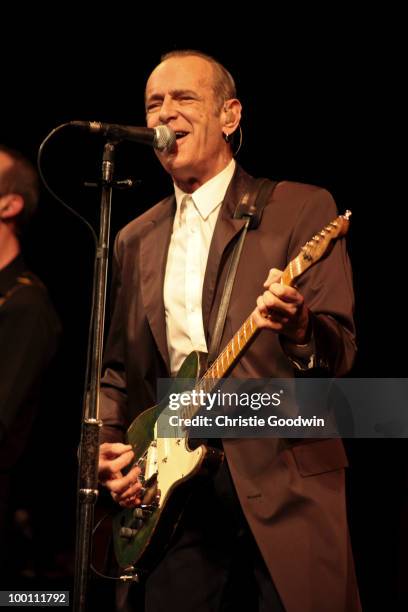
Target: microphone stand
x,y
91,423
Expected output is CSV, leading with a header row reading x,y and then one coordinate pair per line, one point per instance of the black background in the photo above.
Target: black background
x,y
320,100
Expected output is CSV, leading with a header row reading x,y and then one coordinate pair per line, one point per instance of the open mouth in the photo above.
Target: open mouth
x,y
180,135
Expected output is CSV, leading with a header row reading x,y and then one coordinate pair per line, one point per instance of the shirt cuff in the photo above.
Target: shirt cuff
x,y
302,356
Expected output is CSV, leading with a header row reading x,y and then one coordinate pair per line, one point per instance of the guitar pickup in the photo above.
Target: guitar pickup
x,y
142,512
127,533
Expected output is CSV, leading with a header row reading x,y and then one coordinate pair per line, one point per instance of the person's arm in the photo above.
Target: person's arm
x,y
114,455
314,320
113,398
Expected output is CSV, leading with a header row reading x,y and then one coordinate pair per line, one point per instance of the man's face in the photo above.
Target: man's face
x,y
179,93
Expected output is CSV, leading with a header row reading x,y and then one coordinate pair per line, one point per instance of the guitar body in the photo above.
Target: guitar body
x,y
140,534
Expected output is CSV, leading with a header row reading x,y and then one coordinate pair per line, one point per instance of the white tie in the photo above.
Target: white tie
x,y
186,203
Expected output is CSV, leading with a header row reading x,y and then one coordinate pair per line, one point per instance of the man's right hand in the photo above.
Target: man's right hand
x,y
113,457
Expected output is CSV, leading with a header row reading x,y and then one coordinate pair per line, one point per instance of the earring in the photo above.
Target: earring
x,y
240,141
228,138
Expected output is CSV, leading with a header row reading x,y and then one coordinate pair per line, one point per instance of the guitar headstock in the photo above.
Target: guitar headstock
x,y
315,248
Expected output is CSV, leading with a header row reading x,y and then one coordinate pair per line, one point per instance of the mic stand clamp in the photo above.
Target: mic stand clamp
x,y
129,183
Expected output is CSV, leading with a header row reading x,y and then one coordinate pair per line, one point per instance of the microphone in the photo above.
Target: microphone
x,y
161,137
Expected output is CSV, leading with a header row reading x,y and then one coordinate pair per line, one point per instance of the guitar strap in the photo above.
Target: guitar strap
x,y
250,207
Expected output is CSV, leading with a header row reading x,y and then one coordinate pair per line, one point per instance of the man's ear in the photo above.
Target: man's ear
x,y
231,115
11,205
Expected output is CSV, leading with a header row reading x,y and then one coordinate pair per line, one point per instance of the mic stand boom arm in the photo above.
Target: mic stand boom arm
x,y
91,423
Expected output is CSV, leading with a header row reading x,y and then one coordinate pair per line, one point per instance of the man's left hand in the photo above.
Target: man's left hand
x,y
282,309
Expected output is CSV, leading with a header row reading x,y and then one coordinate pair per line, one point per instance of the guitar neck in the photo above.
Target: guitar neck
x,y
232,352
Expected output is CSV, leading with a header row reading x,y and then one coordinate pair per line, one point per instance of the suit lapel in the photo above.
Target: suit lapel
x,y
226,229
153,253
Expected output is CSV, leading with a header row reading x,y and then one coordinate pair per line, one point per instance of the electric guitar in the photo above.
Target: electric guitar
x,y
168,465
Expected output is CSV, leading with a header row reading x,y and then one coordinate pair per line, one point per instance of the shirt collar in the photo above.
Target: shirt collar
x,y
9,274
210,195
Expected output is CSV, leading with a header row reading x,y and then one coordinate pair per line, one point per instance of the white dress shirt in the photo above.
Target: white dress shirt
x,y
190,241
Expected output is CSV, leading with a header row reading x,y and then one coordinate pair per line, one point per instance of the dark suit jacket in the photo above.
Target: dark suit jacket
x,y
292,495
